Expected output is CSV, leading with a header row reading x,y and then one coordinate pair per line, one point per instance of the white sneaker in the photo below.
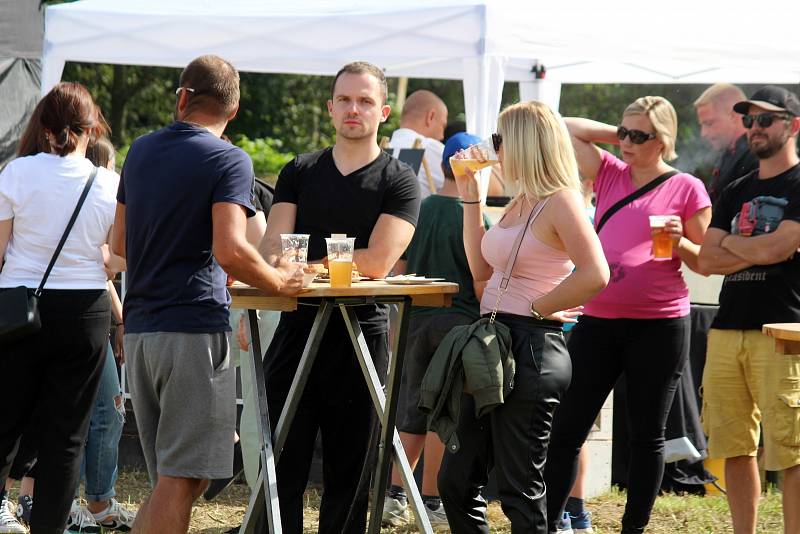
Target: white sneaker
x,y
115,517
395,512
437,517
8,521
81,521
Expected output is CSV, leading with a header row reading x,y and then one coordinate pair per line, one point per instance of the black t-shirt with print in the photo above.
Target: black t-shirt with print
x,y
330,203
762,293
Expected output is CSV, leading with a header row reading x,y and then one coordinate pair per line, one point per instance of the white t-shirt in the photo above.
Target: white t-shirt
x,y
40,193
405,138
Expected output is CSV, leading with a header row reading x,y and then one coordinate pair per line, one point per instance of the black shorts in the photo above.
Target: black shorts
x,y
425,333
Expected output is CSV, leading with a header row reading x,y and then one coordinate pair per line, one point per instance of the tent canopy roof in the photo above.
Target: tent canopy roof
x,y
482,42
579,41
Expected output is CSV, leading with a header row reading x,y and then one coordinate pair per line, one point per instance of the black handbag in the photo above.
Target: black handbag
x,y
19,307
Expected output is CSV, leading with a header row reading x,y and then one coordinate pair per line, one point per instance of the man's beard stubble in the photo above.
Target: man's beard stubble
x,y
771,147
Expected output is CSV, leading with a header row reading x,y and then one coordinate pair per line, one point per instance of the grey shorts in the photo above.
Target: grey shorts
x,y
183,391
425,333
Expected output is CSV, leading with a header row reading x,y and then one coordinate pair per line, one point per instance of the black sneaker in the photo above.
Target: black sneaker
x,y
24,507
216,485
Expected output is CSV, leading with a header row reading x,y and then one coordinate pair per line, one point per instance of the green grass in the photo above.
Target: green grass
x,y
672,514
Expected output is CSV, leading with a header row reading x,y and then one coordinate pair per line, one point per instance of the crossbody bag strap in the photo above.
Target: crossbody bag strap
x,y
64,236
646,188
512,259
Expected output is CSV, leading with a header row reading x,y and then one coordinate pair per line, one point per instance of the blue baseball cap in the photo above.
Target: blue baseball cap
x,y
457,142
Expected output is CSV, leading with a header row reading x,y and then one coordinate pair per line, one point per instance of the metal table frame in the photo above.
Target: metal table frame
x,y
389,445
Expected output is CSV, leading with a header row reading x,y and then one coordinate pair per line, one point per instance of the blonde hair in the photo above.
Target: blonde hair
x,y
537,153
721,96
663,118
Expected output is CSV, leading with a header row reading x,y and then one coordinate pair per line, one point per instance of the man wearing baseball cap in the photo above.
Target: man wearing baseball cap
x,y
436,251
753,240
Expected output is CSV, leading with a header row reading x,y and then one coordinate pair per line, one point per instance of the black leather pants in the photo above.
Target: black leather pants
x,y
513,438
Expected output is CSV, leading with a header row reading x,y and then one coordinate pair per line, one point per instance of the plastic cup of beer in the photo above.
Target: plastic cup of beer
x,y
475,158
294,247
662,241
340,260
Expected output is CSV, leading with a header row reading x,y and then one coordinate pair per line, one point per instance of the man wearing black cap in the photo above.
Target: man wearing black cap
x,y
753,240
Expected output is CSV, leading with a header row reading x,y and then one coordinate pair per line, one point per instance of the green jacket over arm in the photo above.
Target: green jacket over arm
x,y
478,355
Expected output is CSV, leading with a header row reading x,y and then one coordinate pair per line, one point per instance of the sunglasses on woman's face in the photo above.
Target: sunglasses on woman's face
x,y
764,120
497,141
638,137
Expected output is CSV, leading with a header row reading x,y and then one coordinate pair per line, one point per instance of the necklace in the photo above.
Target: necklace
x,y
522,202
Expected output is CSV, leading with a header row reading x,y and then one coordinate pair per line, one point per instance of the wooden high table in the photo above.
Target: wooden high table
x,y
436,294
787,337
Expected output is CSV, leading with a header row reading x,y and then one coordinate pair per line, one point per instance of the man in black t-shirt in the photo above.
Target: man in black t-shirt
x,y
183,199
357,189
753,240
722,128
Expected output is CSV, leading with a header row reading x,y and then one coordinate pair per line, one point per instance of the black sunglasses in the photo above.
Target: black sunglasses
x,y
764,120
497,141
638,137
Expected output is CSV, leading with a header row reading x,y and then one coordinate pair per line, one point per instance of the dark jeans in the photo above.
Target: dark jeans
x,y
512,438
336,403
651,354
53,375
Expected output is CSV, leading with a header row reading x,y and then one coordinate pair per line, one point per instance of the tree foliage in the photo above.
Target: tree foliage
x,y
281,115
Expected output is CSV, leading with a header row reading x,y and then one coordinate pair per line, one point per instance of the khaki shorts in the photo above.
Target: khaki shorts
x,y
745,382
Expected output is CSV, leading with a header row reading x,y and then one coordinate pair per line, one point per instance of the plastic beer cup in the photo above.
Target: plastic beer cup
x,y
475,158
340,260
662,241
294,247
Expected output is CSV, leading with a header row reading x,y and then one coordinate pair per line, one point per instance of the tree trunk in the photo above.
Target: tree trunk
x,y
119,99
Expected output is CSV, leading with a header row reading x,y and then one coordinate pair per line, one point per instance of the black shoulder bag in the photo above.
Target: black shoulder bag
x,y
19,308
646,188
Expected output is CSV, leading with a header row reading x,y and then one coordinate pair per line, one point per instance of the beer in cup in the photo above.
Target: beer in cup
x,y
340,260
662,241
475,158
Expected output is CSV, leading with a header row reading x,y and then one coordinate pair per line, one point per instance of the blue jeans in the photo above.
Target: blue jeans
x,y
99,465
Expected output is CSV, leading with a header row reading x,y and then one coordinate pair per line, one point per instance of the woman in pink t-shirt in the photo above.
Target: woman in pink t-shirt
x,y
560,266
638,326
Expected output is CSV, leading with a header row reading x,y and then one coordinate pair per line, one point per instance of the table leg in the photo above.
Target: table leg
x,y
256,505
267,485
387,411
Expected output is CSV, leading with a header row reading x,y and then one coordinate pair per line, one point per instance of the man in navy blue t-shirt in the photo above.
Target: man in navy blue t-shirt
x,y
183,201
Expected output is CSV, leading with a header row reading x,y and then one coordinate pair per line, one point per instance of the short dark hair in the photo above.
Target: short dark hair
x,y
100,152
447,171
67,112
362,67
214,85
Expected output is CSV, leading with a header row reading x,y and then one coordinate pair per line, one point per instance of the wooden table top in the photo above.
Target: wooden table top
x,y
787,336
788,331
434,294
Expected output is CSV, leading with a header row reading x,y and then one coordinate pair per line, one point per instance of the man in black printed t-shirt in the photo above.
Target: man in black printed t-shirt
x,y
753,240
357,189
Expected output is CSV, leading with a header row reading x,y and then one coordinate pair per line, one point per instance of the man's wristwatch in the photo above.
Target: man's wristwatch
x,y
536,315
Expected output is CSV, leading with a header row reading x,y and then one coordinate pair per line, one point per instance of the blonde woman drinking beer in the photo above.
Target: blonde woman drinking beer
x,y
560,266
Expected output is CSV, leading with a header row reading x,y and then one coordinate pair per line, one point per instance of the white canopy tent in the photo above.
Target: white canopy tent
x,y
482,42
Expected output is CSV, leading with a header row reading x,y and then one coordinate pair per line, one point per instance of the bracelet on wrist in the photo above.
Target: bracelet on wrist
x,y
470,201
536,315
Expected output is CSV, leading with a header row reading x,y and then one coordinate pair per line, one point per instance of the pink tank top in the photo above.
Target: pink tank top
x,y
538,269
